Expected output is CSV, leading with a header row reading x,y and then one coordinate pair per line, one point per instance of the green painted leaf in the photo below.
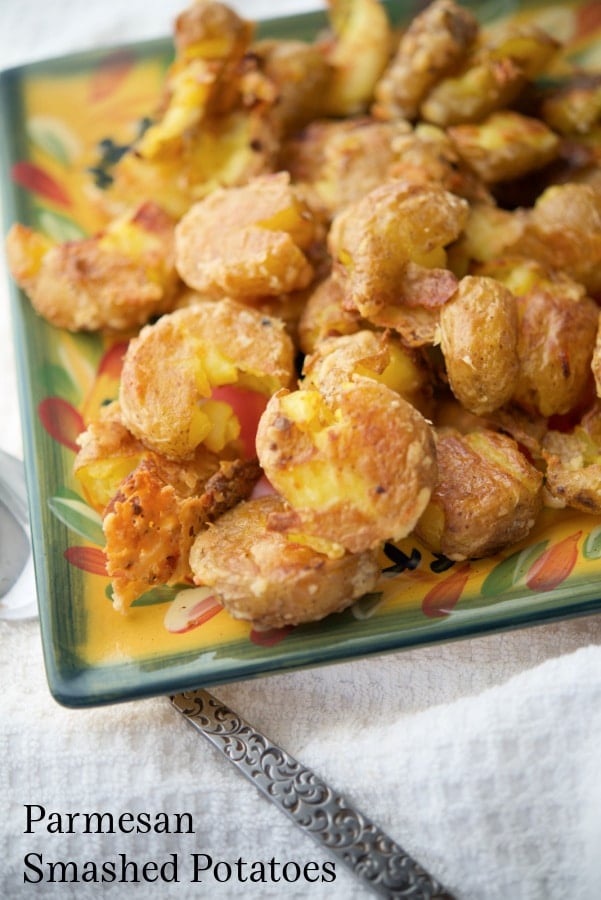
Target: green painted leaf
x,y
58,227
54,137
165,593
58,383
511,570
591,549
73,512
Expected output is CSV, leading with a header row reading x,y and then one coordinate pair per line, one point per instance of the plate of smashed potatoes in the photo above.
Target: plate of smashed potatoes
x,y
306,315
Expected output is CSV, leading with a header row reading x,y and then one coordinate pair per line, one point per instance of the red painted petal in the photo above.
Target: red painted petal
x,y
554,565
111,72
271,637
36,180
442,598
187,612
62,421
112,361
90,559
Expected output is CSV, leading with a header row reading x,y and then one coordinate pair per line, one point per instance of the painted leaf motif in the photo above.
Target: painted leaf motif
x,y
554,565
38,181
73,512
109,75
61,420
191,608
112,361
591,549
90,559
58,227
511,570
51,135
58,382
443,597
164,593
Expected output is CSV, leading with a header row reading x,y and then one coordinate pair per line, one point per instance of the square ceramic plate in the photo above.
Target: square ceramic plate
x,y
58,116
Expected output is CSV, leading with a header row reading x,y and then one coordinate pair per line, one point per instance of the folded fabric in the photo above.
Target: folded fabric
x,y
498,793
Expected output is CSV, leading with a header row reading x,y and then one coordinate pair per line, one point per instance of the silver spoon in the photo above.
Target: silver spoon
x,y
327,816
17,583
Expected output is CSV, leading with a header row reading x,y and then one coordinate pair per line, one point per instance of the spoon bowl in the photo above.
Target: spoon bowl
x,y
17,584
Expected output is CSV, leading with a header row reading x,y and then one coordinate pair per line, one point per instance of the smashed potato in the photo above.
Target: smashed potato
x,y
574,107
114,281
390,246
487,495
271,578
573,472
505,145
200,347
369,354
312,449
212,127
563,231
557,325
434,43
360,279
247,241
490,78
107,453
357,54
324,315
159,508
479,338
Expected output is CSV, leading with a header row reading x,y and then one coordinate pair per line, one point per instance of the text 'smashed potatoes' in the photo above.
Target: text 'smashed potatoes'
x,y
380,252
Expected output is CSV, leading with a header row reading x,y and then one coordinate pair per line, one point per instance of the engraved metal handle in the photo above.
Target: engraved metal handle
x,y
298,792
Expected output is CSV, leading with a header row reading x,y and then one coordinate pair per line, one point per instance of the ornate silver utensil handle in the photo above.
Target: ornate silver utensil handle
x,y
318,810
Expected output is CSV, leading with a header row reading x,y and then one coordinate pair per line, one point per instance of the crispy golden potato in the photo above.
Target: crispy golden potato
x,y
171,368
526,428
563,231
435,42
160,506
390,246
231,149
210,40
487,233
272,578
478,337
108,452
490,77
428,156
213,127
300,73
357,54
574,107
336,162
387,241
487,496
370,354
556,335
505,145
114,281
247,241
357,468
573,465
324,315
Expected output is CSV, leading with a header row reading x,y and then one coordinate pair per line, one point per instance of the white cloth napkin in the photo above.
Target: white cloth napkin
x,y
496,791
481,757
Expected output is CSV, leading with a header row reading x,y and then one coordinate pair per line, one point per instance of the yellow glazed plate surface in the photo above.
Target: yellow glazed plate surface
x,y
64,121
